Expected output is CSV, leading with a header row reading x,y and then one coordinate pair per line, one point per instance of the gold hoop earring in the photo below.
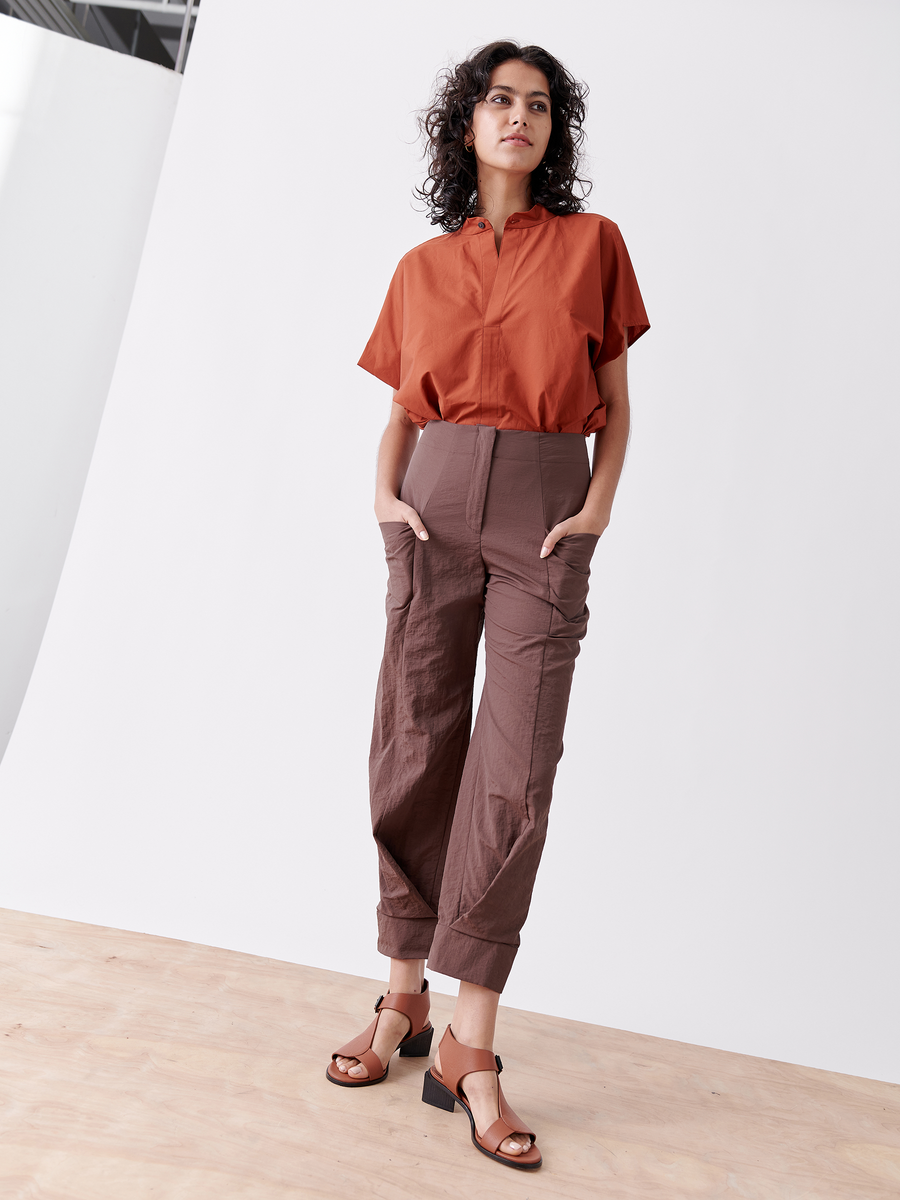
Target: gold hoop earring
x,y
470,146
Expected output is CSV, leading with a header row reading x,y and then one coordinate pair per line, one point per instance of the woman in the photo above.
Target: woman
x,y
505,342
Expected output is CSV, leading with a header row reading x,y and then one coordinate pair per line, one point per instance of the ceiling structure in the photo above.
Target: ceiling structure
x,y
157,30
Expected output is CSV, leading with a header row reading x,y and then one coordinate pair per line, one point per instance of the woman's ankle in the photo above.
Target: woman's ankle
x,y
475,1016
407,975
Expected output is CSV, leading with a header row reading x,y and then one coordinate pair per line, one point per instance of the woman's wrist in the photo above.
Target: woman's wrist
x,y
594,518
384,496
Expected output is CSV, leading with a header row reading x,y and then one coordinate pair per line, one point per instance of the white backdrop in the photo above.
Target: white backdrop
x,y
191,756
82,137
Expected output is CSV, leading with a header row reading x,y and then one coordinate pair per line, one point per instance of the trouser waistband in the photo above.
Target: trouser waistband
x,y
529,444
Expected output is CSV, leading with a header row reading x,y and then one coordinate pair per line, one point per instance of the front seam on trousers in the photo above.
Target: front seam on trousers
x,y
481,468
445,835
468,843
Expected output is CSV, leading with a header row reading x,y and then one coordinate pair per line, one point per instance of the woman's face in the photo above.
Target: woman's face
x,y
511,125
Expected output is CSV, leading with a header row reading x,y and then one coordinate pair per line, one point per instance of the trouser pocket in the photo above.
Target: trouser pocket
x,y
399,552
568,572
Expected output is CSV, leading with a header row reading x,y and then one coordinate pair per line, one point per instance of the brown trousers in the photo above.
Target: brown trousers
x,y
460,824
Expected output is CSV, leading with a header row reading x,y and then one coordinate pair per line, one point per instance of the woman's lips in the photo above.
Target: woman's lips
x,y
517,141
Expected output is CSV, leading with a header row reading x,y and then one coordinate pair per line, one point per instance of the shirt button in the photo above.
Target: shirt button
x,y
481,224
513,221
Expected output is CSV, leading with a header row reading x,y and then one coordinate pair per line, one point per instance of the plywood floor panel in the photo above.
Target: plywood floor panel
x,y
135,1067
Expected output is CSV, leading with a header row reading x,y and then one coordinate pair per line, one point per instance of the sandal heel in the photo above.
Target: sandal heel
x,y
419,1046
434,1093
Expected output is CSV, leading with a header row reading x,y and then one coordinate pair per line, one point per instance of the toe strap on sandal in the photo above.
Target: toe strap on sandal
x,y
498,1133
370,1061
360,1047
508,1125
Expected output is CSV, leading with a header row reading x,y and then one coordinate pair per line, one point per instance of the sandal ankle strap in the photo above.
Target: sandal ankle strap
x,y
458,1060
415,1005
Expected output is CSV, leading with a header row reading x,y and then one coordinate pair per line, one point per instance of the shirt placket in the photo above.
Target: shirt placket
x,y
497,272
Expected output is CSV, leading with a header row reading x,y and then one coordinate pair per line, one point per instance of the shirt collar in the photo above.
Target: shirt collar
x,y
536,215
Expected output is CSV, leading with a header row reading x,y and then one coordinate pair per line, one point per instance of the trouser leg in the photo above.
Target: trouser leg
x,y
423,705
535,617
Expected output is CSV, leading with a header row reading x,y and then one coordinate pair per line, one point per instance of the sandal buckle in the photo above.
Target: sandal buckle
x,y
499,1063
378,1002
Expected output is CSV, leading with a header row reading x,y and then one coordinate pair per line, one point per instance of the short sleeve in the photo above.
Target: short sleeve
x,y
624,315
382,354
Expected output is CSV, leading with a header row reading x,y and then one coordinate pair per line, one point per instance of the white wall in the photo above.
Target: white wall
x,y
191,757
82,137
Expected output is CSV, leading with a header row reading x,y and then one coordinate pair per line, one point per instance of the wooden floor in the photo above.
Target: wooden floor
x,y
142,1068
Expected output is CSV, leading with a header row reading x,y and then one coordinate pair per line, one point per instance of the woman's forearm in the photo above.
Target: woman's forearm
x,y
610,444
394,453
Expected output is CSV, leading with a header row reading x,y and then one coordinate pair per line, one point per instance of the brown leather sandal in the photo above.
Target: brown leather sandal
x,y
416,1044
443,1091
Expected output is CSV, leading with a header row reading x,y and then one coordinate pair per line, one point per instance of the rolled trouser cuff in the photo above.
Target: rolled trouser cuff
x,y
405,937
471,959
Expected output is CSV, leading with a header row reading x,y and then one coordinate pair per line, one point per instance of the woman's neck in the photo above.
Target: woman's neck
x,y
500,195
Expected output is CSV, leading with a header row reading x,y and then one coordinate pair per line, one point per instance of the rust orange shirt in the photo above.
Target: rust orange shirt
x,y
512,340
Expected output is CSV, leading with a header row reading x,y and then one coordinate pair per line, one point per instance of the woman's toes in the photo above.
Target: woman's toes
x,y
349,1066
512,1147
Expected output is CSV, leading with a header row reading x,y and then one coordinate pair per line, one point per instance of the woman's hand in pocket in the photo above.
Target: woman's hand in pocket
x,y
392,509
580,523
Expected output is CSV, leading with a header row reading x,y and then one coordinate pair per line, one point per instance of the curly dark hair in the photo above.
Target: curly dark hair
x,y
450,188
